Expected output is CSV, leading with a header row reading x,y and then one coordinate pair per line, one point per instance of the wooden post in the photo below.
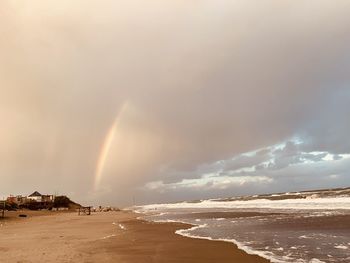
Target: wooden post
x,y
3,207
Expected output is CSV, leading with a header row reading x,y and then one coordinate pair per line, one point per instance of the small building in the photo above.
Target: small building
x,y
47,198
36,196
18,199
11,199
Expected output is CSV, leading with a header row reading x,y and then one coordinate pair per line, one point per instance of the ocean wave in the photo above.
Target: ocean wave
x,y
335,203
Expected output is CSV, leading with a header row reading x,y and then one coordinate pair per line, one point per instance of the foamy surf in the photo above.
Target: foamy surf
x,y
301,230
122,227
109,236
334,203
248,250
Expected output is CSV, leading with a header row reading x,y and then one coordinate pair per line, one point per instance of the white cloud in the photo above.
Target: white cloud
x,y
253,170
208,183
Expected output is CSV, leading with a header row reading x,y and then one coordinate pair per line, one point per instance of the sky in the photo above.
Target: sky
x,y
161,101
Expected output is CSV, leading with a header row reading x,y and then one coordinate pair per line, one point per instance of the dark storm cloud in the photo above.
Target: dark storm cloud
x,y
328,130
188,83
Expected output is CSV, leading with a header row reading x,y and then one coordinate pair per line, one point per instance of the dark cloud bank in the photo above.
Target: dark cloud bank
x,y
210,99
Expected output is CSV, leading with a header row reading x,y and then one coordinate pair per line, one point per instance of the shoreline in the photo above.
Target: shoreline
x,y
234,242
193,226
109,237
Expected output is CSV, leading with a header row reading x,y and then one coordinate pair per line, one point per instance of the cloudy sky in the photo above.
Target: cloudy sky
x,y
173,100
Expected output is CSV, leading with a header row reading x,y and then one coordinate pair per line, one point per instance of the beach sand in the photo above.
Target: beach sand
x,y
106,237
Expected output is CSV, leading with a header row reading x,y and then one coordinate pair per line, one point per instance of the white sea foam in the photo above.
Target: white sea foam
x,y
341,247
106,237
122,227
315,260
265,254
167,221
162,214
243,246
305,237
184,232
338,203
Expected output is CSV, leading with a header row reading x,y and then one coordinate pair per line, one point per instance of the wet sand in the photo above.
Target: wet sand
x,y
107,237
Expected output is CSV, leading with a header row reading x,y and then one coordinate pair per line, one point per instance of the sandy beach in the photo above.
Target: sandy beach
x,y
106,237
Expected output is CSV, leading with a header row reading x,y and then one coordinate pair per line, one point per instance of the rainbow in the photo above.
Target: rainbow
x,y
106,147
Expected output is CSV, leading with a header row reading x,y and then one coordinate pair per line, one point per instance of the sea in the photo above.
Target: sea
x,y
302,227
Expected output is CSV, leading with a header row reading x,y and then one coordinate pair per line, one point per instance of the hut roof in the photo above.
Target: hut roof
x,y
36,193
